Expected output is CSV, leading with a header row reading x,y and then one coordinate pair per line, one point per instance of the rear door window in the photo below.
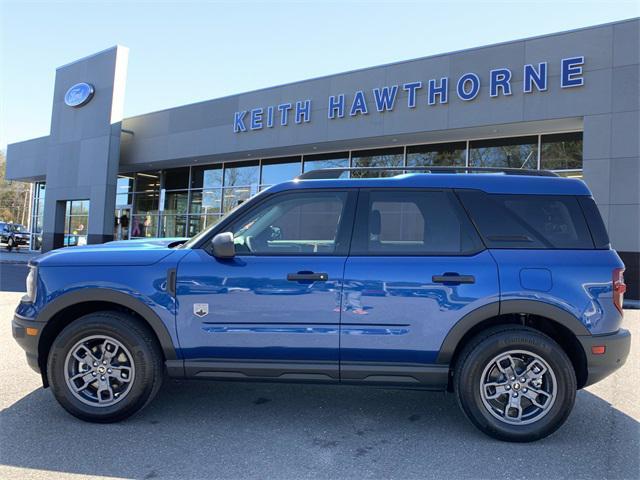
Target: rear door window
x,y
528,221
412,222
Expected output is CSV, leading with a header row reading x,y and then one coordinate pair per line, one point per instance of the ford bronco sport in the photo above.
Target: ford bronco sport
x,y
500,286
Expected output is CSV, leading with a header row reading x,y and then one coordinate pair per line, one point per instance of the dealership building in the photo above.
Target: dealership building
x,y
567,102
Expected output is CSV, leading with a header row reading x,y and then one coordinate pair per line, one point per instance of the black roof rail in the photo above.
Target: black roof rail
x,y
330,173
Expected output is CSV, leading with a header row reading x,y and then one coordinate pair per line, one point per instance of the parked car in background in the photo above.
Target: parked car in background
x,y
501,287
13,235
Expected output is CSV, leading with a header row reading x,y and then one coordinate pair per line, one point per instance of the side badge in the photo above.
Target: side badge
x,y
201,309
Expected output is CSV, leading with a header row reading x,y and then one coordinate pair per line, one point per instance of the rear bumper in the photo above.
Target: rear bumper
x,y
26,339
617,346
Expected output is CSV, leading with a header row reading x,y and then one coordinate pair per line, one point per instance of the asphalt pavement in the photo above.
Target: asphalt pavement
x,y
13,268
13,277
197,429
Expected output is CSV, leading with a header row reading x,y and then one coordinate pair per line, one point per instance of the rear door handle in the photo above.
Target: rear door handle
x,y
453,279
307,277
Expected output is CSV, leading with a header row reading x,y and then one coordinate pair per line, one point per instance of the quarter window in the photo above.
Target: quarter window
x,y
293,224
528,221
413,223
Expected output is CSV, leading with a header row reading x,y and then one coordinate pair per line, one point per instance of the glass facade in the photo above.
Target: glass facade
x,y
37,215
325,160
386,157
280,170
183,201
513,152
437,155
123,190
76,223
562,152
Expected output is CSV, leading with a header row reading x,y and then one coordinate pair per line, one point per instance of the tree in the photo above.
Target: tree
x,y
14,197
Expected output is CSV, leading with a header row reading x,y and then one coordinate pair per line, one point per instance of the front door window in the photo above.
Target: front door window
x,y
293,224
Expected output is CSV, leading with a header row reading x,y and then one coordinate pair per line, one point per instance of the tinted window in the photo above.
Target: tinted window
x,y
292,224
528,221
412,223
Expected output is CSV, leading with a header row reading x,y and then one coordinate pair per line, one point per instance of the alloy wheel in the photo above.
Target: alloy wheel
x,y
518,387
99,371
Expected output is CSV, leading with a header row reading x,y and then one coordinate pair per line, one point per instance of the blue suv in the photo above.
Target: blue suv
x,y
500,286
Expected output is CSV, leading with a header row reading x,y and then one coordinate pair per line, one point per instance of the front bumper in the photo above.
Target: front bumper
x,y
617,346
23,331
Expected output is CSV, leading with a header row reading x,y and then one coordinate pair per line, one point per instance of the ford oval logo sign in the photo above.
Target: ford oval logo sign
x,y
79,94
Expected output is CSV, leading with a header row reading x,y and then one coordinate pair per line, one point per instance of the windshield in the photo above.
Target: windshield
x,y
19,228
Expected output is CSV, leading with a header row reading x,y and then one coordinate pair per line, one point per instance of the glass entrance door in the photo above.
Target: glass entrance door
x,y
122,223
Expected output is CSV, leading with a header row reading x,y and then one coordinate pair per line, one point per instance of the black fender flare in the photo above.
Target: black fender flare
x,y
113,296
532,307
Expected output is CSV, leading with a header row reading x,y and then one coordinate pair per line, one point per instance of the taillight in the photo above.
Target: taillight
x,y
619,288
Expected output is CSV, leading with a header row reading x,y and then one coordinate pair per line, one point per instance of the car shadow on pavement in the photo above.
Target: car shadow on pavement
x,y
254,430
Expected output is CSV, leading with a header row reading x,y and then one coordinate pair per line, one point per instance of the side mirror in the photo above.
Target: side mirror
x,y
223,246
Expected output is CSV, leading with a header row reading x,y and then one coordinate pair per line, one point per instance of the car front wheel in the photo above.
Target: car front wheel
x,y
515,384
105,367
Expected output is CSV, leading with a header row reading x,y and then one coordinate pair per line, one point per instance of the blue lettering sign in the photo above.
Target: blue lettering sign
x,y
336,106
385,98
467,86
500,78
440,90
256,119
411,97
465,93
238,122
270,115
359,104
571,75
303,111
537,77
284,108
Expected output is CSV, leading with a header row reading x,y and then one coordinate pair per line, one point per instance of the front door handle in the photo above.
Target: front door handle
x,y
307,277
453,279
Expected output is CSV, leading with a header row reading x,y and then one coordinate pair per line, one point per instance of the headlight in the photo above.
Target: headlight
x,y
32,284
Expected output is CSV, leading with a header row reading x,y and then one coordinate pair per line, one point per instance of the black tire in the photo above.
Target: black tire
x,y
478,355
146,358
10,244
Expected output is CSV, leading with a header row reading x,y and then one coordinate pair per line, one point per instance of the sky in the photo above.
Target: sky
x,y
188,51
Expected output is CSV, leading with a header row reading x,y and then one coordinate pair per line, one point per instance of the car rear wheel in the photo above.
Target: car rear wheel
x,y
515,383
105,367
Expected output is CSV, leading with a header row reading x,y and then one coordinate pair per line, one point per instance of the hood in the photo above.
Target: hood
x,y
127,252
149,242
